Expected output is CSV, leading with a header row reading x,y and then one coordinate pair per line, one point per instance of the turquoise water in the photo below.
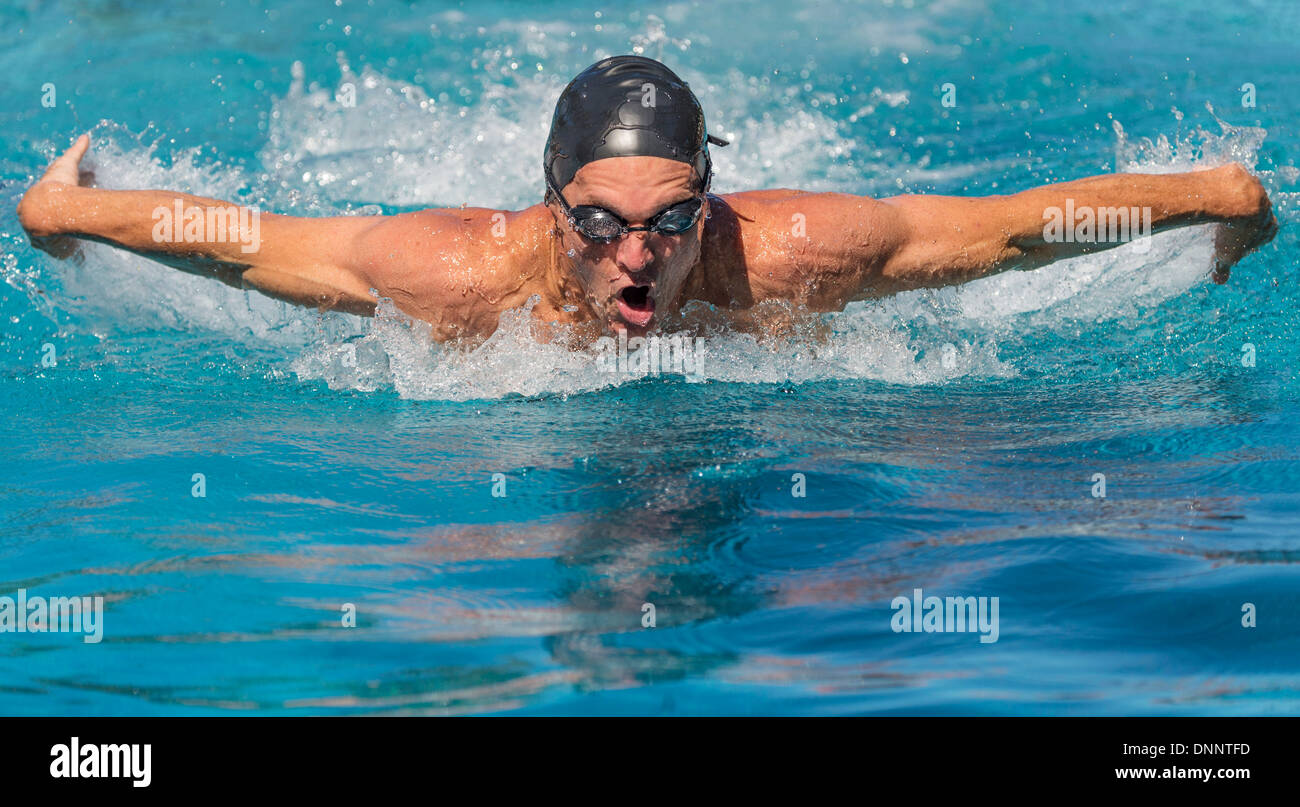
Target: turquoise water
x,y
948,440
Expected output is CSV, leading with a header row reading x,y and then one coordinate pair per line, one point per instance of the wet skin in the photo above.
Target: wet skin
x,y
460,269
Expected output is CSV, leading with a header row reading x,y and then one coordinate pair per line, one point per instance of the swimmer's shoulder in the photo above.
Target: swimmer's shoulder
x,y
805,246
457,265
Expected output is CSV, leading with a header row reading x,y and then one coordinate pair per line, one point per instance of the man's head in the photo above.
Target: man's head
x,y
627,166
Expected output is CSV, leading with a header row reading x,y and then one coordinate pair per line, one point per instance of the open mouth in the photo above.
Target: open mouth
x,y
637,298
636,305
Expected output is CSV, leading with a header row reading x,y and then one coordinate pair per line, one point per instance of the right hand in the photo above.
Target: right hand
x,y
36,210
1250,223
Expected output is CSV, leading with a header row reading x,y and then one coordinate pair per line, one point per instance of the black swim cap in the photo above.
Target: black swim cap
x,y
626,106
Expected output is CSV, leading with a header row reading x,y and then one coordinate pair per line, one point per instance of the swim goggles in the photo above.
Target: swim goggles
x,y
604,227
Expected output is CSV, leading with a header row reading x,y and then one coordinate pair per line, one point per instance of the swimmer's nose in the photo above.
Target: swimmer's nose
x,y
634,254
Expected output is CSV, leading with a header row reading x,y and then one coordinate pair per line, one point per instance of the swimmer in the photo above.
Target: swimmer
x,y
628,233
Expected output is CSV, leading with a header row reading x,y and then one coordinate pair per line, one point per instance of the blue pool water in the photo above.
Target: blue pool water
x,y
961,470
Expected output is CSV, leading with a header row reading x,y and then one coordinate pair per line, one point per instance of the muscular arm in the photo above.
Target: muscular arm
x,y
828,249
328,263
299,260
942,240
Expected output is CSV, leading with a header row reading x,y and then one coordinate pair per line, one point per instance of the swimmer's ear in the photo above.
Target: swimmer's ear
x,y
553,204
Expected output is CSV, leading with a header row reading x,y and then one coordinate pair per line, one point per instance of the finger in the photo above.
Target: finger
x,y
78,149
75,152
66,163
